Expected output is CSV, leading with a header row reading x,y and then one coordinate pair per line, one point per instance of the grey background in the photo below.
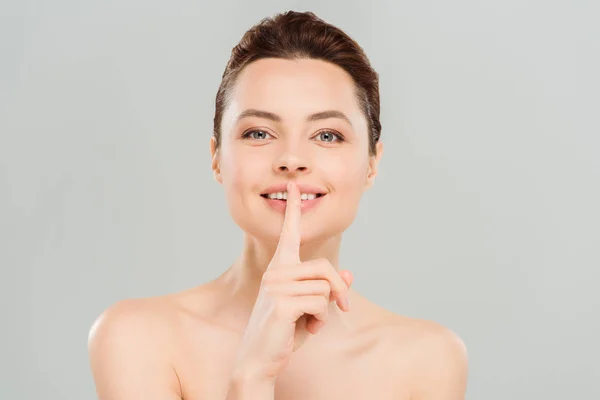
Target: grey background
x,y
484,217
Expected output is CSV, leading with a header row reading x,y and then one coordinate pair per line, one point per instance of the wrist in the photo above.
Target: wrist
x,y
249,376
246,385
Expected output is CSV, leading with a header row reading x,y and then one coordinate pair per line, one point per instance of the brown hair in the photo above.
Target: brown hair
x,y
296,35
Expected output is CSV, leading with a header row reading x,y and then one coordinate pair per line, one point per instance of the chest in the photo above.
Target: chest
x,y
359,379
204,372
316,384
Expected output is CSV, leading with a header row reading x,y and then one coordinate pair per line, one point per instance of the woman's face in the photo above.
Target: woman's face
x,y
280,143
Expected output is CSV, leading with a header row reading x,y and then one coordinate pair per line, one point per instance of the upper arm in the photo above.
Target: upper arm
x,y
128,356
440,366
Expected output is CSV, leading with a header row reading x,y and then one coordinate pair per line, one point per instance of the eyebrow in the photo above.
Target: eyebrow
x,y
276,118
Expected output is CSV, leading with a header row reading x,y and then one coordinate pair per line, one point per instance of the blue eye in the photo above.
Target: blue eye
x,y
330,135
251,136
326,136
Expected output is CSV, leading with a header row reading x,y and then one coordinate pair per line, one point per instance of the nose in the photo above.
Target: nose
x,y
291,162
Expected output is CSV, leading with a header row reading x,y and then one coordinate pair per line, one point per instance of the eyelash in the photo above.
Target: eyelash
x,y
340,138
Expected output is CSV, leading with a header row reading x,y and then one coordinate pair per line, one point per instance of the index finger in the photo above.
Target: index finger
x,y
288,248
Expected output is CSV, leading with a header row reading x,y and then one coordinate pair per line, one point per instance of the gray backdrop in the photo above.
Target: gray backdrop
x,y
484,217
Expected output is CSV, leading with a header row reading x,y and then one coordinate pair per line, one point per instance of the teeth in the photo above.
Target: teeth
x,y
283,196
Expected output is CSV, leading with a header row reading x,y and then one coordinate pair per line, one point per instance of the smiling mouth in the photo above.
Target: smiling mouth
x,y
303,197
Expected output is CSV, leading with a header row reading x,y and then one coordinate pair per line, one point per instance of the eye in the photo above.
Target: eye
x,y
328,136
261,135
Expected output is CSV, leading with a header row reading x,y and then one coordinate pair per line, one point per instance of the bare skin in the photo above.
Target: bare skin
x,y
184,345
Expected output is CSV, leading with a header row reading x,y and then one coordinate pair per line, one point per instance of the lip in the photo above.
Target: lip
x,y
305,205
282,187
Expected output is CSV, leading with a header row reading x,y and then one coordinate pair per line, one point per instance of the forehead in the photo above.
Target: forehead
x,y
295,88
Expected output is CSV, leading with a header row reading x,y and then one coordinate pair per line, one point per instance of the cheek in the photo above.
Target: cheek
x,y
240,170
242,174
346,173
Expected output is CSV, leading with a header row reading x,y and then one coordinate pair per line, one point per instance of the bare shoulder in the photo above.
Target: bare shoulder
x,y
142,319
150,318
433,355
424,335
130,350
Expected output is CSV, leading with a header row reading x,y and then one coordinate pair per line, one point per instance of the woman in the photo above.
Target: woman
x,y
295,145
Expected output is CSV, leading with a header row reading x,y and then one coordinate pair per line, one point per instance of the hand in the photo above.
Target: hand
x,y
292,302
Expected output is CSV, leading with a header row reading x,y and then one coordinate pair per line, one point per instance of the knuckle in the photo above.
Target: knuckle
x,y
282,309
268,288
324,286
324,263
326,268
323,266
269,276
323,303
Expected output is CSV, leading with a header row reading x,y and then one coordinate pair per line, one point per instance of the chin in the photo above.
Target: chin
x,y
268,230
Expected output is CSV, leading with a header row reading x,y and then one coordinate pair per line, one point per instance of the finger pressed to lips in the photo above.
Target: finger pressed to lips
x,y
288,253
288,249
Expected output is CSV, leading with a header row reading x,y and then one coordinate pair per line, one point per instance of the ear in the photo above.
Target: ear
x,y
214,154
373,165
